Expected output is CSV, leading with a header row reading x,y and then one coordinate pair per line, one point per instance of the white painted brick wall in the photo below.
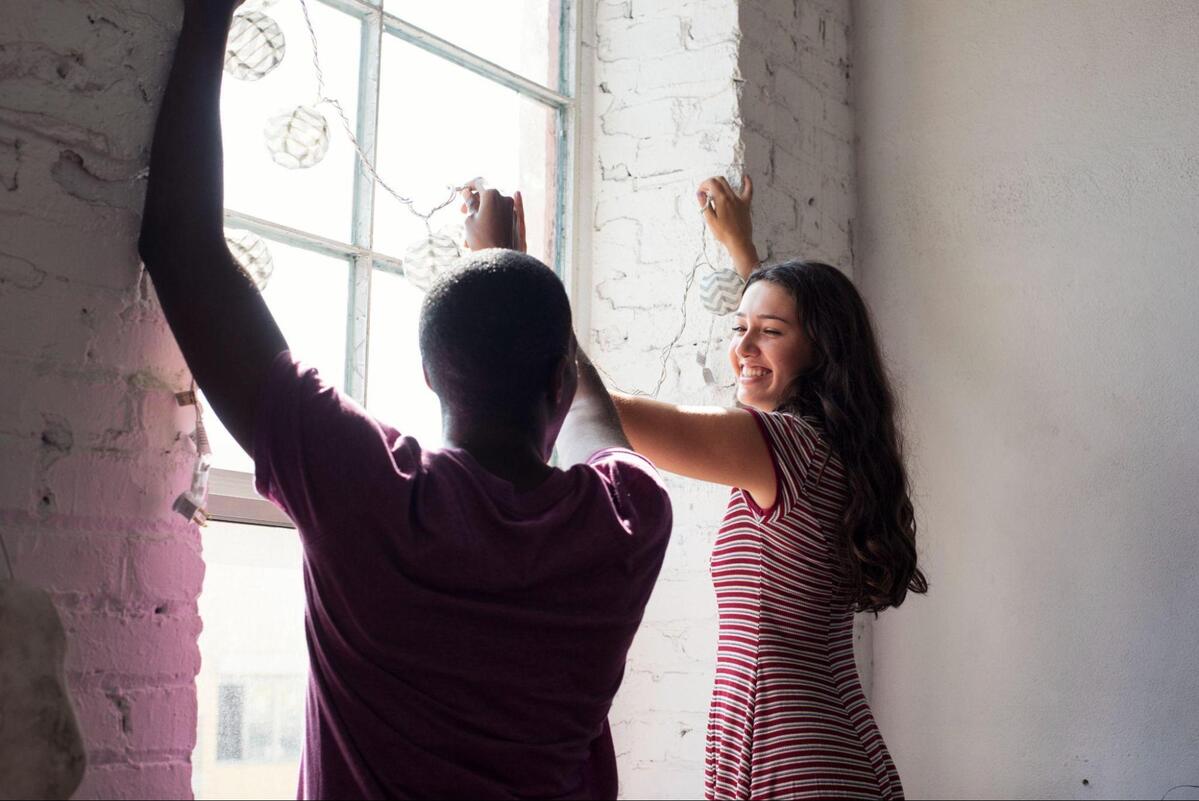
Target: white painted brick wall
x,y
90,441
91,452
685,90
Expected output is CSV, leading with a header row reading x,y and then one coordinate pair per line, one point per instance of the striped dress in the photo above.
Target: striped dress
x,y
788,718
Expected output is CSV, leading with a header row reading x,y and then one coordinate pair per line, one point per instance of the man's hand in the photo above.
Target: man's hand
x,y
727,213
493,220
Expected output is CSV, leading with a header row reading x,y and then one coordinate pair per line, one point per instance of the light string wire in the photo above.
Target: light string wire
x,y
367,163
1179,787
702,260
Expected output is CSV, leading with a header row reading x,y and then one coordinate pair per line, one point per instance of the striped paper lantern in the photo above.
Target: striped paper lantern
x,y
721,291
255,46
251,252
429,259
298,138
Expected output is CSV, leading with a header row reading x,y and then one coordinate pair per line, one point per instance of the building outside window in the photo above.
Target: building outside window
x,y
437,93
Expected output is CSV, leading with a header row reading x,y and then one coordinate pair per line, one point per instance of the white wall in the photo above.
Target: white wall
x,y
1029,240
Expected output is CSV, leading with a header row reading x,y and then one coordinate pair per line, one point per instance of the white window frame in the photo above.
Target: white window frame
x,y
231,493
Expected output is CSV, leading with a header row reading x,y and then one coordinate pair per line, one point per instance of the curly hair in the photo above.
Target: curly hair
x,y
848,391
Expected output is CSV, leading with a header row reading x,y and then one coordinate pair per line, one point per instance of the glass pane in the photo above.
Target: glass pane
x,y
520,35
318,199
309,296
254,667
451,126
396,392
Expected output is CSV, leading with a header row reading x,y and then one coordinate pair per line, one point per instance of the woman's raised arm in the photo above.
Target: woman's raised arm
x,y
709,443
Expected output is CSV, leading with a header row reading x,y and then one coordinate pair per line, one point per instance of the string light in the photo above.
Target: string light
x,y
721,291
255,46
191,503
251,252
431,258
299,138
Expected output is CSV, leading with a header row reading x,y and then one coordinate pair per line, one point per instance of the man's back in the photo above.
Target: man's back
x,y
466,640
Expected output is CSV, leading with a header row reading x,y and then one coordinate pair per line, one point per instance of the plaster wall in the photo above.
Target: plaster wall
x,y
1027,237
91,445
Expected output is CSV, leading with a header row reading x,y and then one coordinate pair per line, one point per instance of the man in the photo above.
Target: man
x,y
469,610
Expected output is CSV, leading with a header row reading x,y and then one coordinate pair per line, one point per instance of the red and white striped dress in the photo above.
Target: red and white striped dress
x,y
788,717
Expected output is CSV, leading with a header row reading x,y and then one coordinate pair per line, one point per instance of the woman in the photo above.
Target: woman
x,y
819,524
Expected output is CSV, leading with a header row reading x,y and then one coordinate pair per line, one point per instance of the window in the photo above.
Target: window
x,y
437,93
254,664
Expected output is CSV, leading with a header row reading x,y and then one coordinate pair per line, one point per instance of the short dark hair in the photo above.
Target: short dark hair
x,y
492,332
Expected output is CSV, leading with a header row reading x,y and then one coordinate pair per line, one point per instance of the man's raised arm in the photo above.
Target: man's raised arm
x,y
219,319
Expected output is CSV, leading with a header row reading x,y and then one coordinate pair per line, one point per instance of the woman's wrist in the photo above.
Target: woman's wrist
x,y
745,259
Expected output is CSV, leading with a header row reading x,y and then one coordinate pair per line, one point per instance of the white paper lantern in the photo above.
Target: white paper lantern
x,y
251,252
431,258
298,138
256,5
721,291
255,46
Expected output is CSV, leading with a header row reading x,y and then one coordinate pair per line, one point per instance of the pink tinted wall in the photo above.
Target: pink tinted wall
x,y
92,446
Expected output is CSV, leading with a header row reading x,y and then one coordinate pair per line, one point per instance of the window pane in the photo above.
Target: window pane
x,y
254,664
318,199
229,722
448,127
309,296
519,35
395,389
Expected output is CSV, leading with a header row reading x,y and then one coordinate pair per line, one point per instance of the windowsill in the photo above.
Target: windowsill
x,y
231,497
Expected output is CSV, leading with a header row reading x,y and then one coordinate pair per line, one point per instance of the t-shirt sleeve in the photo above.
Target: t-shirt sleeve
x,y
799,455
638,495
317,454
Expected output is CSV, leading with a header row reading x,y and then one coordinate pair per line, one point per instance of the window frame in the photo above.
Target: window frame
x,y
231,493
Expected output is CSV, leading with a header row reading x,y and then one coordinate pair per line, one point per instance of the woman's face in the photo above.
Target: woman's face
x,y
769,348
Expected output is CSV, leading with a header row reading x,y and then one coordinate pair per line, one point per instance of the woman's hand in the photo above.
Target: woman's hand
x,y
727,213
493,220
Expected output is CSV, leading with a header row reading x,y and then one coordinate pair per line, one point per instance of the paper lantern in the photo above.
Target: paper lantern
x,y
251,252
429,259
256,5
721,291
299,138
255,46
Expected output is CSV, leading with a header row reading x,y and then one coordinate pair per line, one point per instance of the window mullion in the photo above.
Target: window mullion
x,y
358,317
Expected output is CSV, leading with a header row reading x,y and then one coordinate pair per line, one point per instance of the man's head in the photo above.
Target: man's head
x,y
495,338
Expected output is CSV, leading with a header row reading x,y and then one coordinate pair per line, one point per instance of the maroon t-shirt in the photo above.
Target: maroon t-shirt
x,y
465,640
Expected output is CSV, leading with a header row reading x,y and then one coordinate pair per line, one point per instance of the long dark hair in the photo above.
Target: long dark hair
x,y
848,391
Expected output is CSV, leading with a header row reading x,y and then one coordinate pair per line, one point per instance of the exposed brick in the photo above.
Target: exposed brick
x,y
90,455
738,99
129,780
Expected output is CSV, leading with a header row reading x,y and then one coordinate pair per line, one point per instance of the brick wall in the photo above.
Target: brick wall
x,y
92,448
682,91
91,442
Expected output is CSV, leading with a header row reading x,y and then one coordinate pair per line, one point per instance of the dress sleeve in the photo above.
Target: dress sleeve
x,y
799,454
318,455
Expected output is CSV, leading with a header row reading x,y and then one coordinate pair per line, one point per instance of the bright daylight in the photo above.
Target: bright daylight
x,y
599,399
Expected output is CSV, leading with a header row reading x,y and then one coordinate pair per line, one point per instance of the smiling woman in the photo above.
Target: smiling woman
x,y
819,524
